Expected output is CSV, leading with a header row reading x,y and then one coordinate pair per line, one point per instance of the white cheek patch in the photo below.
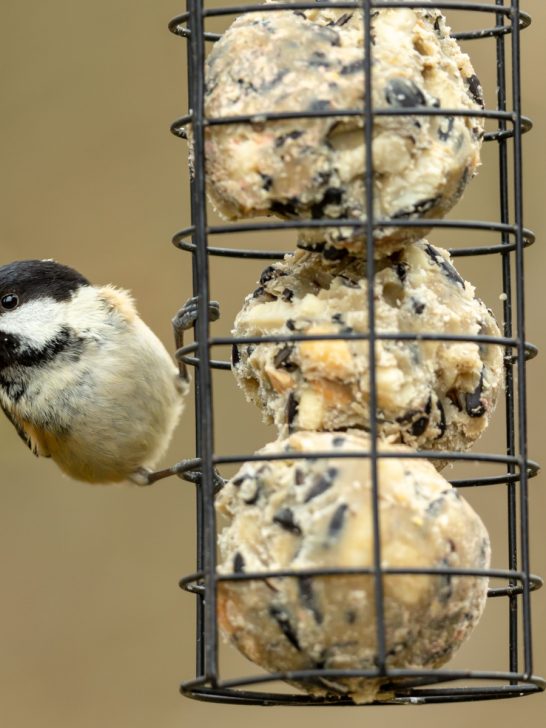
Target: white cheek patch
x,y
36,321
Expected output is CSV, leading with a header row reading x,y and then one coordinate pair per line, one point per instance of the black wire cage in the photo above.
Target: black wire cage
x,y
504,23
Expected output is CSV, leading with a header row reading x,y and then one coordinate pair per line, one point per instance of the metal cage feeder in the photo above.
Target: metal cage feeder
x,y
505,22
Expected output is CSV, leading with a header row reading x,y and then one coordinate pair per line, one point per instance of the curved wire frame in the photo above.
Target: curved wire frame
x,y
412,685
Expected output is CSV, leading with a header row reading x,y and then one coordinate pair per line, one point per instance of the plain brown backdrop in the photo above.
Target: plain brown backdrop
x,y
93,629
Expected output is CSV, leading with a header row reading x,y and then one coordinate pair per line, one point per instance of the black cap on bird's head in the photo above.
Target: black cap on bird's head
x,y
33,305
25,280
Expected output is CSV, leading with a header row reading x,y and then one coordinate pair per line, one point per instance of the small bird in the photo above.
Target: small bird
x,y
83,380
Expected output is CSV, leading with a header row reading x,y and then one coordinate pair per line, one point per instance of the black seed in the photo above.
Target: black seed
x,y
322,178
462,182
319,104
437,25
401,271
238,563
473,402
320,664
445,128
333,253
350,616
343,19
321,484
287,208
287,295
260,292
299,477
291,410
446,585
348,282
290,324
338,441
484,548
442,425
311,247
268,85
267,181
318,59
281,617
337,318
282,358
353,67
331,196
270,273
307,596
435,506
283,138
235,358
419,208
402,93
337,520
417,306
396,256
475,90
408,416
454,398
446,267
285,519
419,426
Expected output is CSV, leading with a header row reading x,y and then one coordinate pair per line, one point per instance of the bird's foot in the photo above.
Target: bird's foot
x,y
196,476
187,315
184,320
145,477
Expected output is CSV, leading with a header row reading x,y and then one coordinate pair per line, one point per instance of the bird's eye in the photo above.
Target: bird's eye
x,y
9,301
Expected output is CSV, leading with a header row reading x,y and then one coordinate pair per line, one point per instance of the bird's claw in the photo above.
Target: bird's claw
x,y
185,319
196,476
187,316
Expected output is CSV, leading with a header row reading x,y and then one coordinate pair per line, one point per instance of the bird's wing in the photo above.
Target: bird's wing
x,y
28,434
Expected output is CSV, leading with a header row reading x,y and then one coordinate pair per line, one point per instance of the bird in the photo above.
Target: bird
x,y
83,379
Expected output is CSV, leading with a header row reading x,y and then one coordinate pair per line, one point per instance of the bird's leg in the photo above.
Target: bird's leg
x,y
184,320
144,477
141,476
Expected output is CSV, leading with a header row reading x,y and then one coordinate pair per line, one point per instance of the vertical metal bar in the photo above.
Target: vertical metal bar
x,y
204,410
520,319
370,272
199,505
508,361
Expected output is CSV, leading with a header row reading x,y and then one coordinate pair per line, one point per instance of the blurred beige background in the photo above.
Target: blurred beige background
x,y
93,628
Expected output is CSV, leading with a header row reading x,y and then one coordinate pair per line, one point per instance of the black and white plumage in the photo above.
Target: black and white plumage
x,y
82,378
